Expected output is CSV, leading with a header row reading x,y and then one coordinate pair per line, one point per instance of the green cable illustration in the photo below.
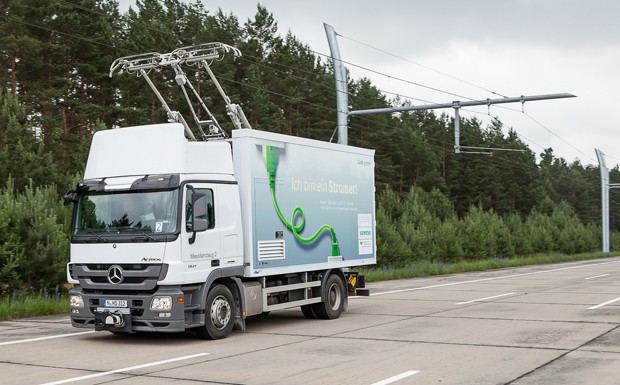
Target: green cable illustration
x,y
270,157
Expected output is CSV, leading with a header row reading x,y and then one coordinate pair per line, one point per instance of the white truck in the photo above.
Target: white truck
x,y
172,233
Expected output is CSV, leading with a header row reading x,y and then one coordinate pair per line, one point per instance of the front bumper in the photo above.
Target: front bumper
x,y
136,317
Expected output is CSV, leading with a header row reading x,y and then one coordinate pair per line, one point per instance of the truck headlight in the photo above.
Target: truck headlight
x,y
76,301
161,303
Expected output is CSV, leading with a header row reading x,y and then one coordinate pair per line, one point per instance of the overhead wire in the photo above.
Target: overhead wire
x,y
441,145
224,79
78,6
389,76
119,48
174,35
122,49
463,109
557,136
422,65
469,110
408,97
58,32
84,8
469,83
68,3
435,89
406,81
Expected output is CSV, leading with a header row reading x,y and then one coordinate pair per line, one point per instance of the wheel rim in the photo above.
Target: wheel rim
x,y
334,297
220,312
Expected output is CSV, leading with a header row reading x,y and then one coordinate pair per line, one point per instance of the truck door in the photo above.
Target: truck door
x,y
201,250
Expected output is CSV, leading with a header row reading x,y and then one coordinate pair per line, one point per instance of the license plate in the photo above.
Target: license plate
x,y
115,303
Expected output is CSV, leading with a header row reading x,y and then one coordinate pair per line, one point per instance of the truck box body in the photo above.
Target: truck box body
x,y
316,184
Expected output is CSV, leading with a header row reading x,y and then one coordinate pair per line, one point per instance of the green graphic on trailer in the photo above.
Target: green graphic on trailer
x,y
270,156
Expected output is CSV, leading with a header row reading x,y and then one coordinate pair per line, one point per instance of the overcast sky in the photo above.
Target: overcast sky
x,y
510,47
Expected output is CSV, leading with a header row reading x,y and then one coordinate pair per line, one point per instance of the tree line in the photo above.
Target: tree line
x,y
56,93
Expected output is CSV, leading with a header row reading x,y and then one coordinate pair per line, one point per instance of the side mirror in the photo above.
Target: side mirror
x,y
69,197
200,211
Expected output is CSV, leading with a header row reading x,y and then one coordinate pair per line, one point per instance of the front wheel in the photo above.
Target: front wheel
x,y
219,314
333,306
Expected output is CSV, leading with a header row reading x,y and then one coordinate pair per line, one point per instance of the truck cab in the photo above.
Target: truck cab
x,y
149,227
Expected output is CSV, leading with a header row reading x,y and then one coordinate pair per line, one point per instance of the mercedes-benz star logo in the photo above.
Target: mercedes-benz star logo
x,y
115,274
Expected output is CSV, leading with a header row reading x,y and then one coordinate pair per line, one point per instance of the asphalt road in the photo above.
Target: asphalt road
x,y
552,324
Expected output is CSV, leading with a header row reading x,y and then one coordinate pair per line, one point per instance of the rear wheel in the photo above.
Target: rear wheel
x,y
334,299
219,314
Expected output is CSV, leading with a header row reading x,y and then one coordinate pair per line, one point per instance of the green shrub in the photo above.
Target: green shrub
x,y
34,242
422,226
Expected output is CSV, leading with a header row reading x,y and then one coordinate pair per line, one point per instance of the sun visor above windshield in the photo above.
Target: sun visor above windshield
x,y
155,182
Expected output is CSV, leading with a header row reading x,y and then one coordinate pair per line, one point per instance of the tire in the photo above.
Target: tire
x,y
219,314
335,294
308,311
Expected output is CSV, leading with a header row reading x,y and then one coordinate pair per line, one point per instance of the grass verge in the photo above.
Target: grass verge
x,y
429,268
33,305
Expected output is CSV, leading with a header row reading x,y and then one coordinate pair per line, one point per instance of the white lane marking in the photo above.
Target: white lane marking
x,y
44,338
598,276
125,369
604,304
398,377
488,279
484,299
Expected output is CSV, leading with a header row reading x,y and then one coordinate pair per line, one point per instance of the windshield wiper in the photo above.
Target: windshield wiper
x,y
135,232
99,237
148,236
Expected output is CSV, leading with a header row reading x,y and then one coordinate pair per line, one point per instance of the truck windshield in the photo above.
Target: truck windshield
x,y
144,212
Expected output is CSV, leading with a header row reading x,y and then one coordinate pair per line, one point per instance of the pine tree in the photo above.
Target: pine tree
x,y
21,153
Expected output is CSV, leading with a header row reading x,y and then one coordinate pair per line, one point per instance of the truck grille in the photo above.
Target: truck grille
x,y
134,277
